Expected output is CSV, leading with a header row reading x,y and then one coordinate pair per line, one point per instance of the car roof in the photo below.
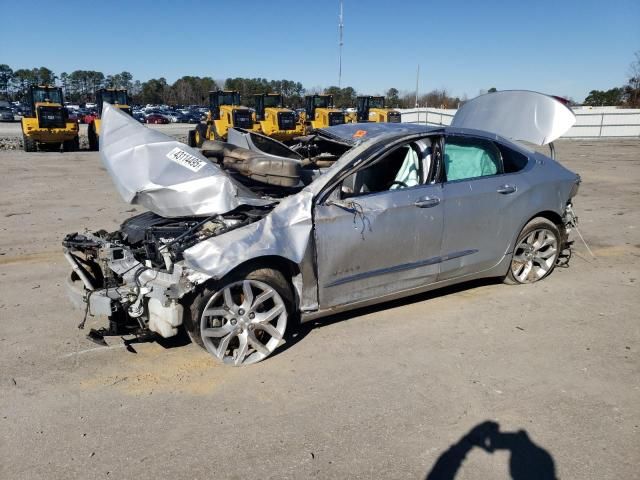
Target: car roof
x,y
352,132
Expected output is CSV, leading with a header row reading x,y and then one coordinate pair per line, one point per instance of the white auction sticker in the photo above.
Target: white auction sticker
x,y
185,159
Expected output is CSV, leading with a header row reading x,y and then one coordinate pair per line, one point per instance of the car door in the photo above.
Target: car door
x,y
378,240
476,201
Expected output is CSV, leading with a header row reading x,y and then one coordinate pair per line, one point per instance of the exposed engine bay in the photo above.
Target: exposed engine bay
x,y
122,273
137,275
269,167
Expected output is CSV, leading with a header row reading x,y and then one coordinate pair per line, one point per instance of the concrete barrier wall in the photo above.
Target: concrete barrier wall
x,y
590,122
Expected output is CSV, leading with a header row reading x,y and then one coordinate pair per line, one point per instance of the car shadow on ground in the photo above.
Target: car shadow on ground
x,y
301,330
528,461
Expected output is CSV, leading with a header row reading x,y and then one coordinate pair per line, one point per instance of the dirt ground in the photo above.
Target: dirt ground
x,y
11,134
386,392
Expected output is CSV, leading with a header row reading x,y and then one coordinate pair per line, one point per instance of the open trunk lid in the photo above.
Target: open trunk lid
x,y
517,114
165,176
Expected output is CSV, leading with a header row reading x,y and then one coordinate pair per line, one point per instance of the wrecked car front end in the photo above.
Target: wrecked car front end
x,y
203,221
137,275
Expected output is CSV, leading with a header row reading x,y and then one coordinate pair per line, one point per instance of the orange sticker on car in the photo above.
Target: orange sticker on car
x,y
359,133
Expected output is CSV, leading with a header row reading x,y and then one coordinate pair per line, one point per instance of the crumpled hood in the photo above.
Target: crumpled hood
x,y
163,175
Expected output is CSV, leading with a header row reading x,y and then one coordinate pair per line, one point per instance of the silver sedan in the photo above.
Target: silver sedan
x,y
245,237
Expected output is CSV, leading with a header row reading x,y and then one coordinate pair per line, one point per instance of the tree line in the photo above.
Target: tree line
x,y
79,86
628,95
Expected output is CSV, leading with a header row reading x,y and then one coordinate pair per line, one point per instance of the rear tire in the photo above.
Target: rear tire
x,y
72,145
201,134
94,144
29,144
273,279
191,138
535,253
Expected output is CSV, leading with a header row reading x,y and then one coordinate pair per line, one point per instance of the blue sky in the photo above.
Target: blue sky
x,y
558,47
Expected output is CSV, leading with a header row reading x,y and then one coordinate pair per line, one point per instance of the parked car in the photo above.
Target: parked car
x,y
156,118
73,114
139,116
236,244
88,117
176,117
193,118
6,114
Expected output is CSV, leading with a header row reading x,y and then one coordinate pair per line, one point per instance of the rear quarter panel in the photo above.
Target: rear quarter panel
x,y
545,186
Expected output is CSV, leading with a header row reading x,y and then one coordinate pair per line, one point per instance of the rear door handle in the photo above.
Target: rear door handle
x,y
427,202
506,189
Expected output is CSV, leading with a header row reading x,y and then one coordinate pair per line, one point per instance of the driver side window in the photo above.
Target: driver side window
x,y
404,167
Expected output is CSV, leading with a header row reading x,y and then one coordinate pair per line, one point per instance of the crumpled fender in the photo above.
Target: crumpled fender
x,y
284,232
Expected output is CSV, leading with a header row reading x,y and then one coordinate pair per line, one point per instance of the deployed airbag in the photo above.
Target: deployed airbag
x,y
468,161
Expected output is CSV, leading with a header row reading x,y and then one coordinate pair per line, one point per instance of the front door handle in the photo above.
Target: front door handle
x,y
427,202
506,189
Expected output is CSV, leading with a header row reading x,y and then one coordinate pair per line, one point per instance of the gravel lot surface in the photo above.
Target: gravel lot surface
x,y
386,392
11,134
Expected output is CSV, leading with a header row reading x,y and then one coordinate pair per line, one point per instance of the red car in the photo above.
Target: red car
x,y
88,118
156,118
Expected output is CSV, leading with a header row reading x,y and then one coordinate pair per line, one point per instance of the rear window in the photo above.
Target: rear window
x,y
512,161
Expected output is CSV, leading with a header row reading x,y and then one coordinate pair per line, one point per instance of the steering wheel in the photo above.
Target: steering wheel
x,y
398,182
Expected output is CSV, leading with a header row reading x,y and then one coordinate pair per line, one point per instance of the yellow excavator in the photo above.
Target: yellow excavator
x,y
225,112
373,109
275,120
47,123
320,113
117,97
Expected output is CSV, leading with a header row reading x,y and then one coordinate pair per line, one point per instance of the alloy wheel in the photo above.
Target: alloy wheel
x,y
534,256
244,322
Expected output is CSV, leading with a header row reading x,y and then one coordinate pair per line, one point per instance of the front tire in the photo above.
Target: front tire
x,y
29,144
536,252
243,318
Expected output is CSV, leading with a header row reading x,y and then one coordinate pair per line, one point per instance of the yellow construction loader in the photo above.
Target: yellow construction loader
x,y
373,109
275,120
320,113
48,124
225,112
117,97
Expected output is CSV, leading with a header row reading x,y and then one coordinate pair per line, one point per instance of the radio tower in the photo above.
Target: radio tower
x,y
340,43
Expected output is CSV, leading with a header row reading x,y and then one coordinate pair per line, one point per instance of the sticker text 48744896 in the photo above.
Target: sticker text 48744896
x,y
185,159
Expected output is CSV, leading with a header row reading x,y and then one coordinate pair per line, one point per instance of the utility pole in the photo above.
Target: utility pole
x,y
417,80
340,43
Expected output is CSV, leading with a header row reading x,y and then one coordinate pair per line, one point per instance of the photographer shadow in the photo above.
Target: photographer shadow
x,y
528,461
